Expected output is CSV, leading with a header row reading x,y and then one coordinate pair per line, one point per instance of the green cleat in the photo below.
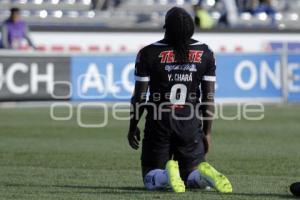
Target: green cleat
x,y
175,180
217,180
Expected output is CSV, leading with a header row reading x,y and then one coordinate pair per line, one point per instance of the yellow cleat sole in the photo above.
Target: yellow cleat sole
x,y
175,180
217,179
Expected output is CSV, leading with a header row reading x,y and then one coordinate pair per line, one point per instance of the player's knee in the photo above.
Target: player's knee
x,y
156,179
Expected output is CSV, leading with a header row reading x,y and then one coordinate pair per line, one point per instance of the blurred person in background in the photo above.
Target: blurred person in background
x,y
229,13
265,6
105,4
203,20
247,5
15,31
226,8
230,10
256,6
111,4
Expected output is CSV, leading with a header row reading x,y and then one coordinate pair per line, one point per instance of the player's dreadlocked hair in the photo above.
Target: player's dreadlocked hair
x,y
179,27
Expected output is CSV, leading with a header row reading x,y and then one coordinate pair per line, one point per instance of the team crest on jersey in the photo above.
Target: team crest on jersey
x,y
169,56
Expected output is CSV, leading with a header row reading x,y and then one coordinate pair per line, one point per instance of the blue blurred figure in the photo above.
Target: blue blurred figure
x,y
265,6
14,31
256,7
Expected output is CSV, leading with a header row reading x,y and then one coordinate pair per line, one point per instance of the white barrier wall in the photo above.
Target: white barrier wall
x,y
131,42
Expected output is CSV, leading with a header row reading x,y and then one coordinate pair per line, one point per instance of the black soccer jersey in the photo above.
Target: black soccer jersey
x,y
170,81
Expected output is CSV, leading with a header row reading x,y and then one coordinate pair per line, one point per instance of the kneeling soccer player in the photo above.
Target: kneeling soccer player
x,y
177,70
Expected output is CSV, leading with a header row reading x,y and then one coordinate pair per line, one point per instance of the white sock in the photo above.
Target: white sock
x,y
156,179
195,180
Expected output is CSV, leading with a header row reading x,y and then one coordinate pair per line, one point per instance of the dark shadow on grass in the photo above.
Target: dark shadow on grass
x,y
77,187
261,195
285,196
85,189
113,190
101,187
129,190
117,190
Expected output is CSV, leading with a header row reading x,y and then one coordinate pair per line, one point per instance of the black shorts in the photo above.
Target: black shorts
x,y
168,138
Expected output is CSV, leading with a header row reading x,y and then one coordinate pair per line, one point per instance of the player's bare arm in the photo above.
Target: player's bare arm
x,y
138,98
207,108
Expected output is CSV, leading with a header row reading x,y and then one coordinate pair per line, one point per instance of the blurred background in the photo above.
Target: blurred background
x,y
46,18
256,43
149,14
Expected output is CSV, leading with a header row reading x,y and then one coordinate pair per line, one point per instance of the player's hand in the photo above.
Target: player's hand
x,y
207,142
134,138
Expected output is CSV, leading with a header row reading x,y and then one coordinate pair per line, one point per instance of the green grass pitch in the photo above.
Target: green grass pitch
x,y
44,159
